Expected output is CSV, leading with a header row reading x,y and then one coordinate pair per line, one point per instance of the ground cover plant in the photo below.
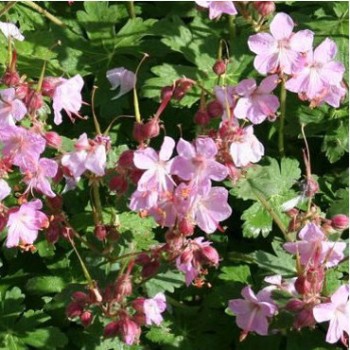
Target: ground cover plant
x,y
174,175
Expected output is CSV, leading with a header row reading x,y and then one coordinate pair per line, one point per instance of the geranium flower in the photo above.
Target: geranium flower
x,y
336,312
20,145
122,78
67,97
157,167
319,73
11,108
197,162
37,174
252,312
246,148
256,102
217,8
314,247
24,223
153,309
282,49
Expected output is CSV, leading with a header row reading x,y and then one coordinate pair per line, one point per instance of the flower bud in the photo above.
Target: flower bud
x,y
311,187
265,8
22,91
80,297
178,93
139,318
52,234
53,139
123,286
118,184
111,330
295,305
302,285
150,269
3,221
210,255
34,101
86,318
166,93
129,330
11,78
340,222
100,232
186,227
305,318
151,129
126,159
138,303
201,117
49,85
215,109
135,175
74,310
219,67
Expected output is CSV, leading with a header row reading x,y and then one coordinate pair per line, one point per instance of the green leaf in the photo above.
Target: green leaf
x,y
45,284
10,307
165,282
332,282
279,263
45,338
162,335
341,204
239,273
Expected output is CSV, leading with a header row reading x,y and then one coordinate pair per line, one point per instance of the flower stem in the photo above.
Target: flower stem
x,y
98,218
7,7
131,9
270,210
232,29
96,123
283,98
44,12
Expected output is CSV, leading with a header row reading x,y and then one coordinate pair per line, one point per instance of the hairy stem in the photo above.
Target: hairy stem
x,y
283,98
96,123
232,29
9,5
98,218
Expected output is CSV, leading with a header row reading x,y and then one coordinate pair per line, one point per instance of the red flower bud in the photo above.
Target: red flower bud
x,y
219,67
73,310
34,101
22,91
265,8
100,232
178,93
80,297
166,93
123,286
138,303
150,269
52,234
340,222
49,85
215,109
151,129
111,330
130,331
201,117
126,159
86,318
186,227
118,184
11,78
210,255
305,318
302,285
295,305
53,139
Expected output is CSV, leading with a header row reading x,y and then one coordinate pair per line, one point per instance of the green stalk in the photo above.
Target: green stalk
x,y
131,9
283,99
97,203
232,29
9,5
96,123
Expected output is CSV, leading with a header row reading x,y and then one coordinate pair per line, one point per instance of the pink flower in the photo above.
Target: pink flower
x,y
198,162
67,96
281,50
319,73
246,148
122,78
217,8
5,189
11,31
157,175
11,108
153,308
129,330
314,248
336,312
225,96
334,96
89,155
37,174
24,223
20,145
257,103
253,312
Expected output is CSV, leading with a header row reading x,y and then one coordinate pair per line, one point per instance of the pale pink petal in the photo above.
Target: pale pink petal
x,y
262,44
341,295
335,331
242,107
311,232
5,189
240,306
122,78
246,87
146,158
326,51
248,294
266,63
281,26
167,148
332,72
260,324
185,149
268,84
96,160
302,40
